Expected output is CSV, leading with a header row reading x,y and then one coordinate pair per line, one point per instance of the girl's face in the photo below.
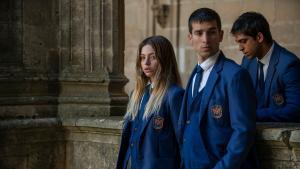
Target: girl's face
x,y
149,62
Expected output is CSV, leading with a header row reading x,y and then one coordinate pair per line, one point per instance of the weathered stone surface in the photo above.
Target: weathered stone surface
x,y
93,143
53,144
278,145
62,58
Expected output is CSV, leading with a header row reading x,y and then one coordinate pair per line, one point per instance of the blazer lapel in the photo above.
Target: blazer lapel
x,y
187,93
210,84
271,69
185,108
144,124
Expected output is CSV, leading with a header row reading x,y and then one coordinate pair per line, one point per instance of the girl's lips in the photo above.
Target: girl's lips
x,y
147,70
206,48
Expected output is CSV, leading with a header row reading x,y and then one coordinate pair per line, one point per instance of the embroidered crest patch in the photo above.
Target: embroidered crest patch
x,y
216,111
158,122
278,99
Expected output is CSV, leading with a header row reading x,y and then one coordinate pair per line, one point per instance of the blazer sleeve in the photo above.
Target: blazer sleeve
x,y
175,101
290,111
242,107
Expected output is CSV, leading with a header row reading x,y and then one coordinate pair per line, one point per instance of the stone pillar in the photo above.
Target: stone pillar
x,y
91,59
61,83
62,58
28,43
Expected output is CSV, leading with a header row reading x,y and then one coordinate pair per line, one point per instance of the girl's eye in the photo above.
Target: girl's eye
x,y
142,57
152,57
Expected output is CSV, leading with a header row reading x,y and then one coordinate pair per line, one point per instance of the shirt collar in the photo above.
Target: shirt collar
x,y
150,86
266,59
210,61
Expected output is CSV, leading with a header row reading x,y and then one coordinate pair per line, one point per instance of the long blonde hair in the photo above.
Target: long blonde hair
x,y
166,74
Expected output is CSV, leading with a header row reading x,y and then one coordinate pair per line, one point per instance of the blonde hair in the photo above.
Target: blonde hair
x,y
166,75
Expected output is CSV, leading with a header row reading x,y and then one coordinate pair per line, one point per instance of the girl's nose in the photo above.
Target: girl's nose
x,y
147,61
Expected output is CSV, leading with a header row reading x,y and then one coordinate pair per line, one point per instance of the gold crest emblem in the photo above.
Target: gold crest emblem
x,y
217,111
158,122
278,99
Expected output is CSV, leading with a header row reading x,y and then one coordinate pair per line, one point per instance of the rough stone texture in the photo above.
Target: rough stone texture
x,y
93,143
54,144
61,58
31,144
278,145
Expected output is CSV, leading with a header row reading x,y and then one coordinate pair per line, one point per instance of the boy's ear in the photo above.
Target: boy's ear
x,y
260,37
221,35
189,38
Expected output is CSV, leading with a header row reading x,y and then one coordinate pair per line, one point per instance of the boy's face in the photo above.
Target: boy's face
x,y
205,38
248,45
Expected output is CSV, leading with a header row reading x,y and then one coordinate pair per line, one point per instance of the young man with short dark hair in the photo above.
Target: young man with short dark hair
x,y
275,71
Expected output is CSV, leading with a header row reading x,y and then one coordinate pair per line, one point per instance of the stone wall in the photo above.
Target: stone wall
x,y
283,17
55,144
60,60
61,57
93,143
278,145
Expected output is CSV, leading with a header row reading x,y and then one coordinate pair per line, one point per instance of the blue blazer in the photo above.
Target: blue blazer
x,y
282,86
226,119
157,142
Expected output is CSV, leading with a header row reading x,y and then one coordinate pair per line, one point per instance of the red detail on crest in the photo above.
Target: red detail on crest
x,y
217,111
278,99
158,122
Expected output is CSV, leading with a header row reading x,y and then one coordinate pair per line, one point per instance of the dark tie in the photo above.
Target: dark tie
x,y
261,82
260,85
197,80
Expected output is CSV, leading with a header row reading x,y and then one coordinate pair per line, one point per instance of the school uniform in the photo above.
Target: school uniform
x,y
279,101
217,124
153,143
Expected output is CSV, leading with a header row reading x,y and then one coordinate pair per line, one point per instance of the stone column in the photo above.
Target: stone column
x,y
61,83
91,58
28,52
62,58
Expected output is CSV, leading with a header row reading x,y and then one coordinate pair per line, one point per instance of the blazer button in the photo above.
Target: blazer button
x,y
131,144
188,122
135,129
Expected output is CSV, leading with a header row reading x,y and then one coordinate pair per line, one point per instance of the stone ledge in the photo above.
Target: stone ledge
x,y
29,123
278,132
265,131
278,144
112,122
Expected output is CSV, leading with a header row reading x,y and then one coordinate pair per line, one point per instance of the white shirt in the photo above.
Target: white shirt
x,y
266,61
207,66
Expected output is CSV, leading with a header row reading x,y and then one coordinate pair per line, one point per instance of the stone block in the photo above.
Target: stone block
x,y
267,8
287,10
228,10
286,39
186,10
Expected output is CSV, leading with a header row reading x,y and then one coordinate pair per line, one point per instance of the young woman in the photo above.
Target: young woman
x,y
149,138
